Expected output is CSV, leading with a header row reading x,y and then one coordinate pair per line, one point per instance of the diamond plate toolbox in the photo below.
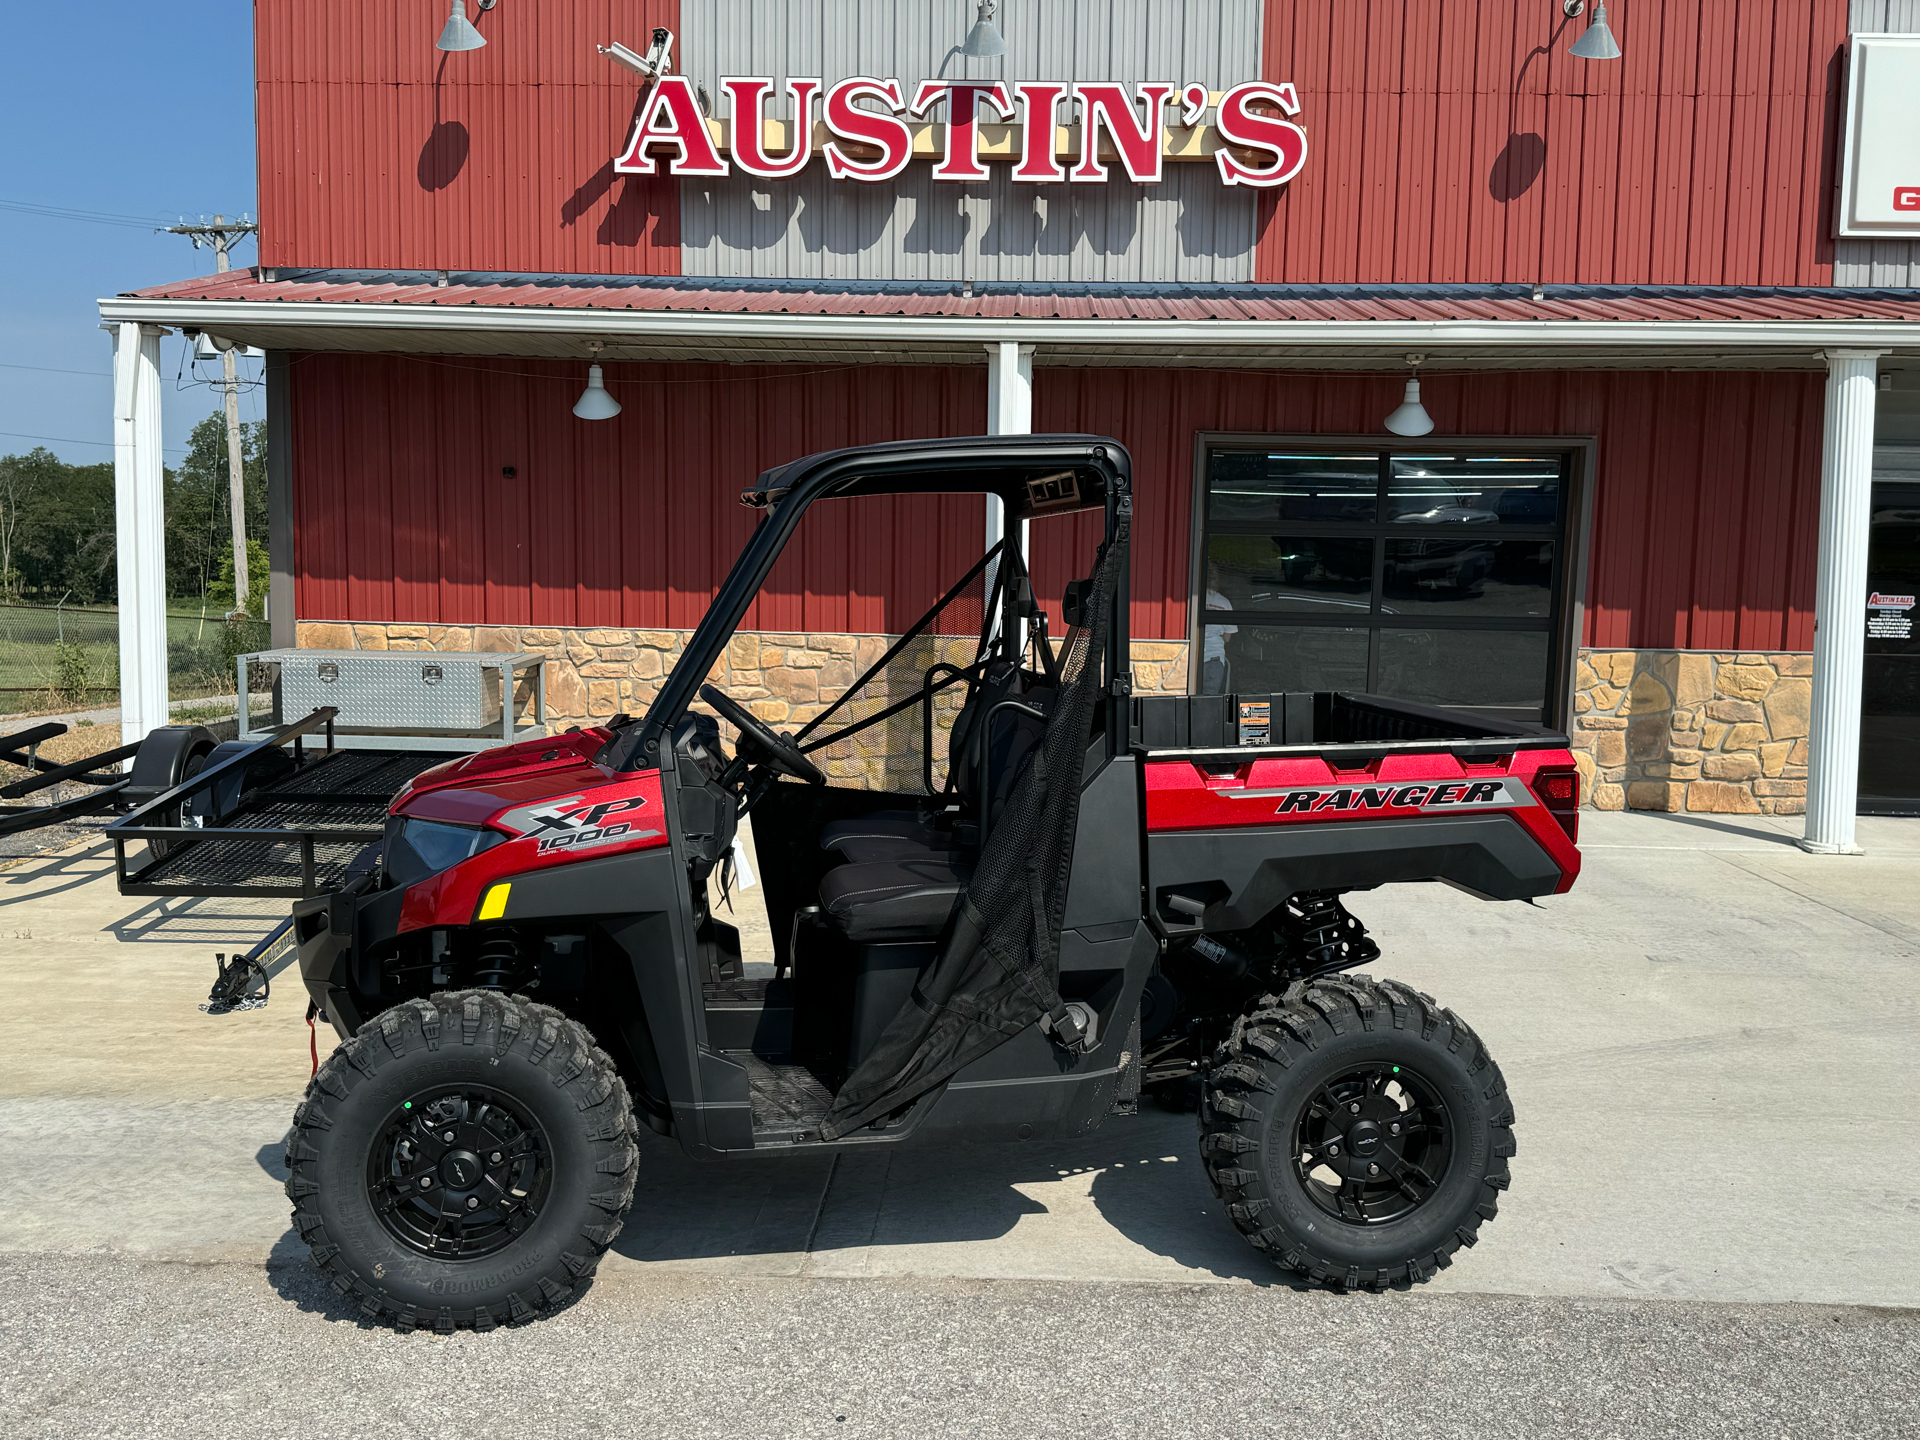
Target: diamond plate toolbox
x,y
417,692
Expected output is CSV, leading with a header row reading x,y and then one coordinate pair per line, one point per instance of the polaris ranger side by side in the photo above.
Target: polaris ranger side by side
x,y
1006,895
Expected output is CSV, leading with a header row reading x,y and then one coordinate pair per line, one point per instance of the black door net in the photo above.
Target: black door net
x,y
997,971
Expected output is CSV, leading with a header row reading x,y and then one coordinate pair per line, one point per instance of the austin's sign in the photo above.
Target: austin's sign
x,y
869,129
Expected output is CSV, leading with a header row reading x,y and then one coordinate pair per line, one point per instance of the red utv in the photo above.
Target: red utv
x,y
1006,895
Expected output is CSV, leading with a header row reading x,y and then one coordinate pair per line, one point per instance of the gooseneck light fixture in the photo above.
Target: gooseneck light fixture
x,y
984,41
1410,417
595,403
1597,41
459,32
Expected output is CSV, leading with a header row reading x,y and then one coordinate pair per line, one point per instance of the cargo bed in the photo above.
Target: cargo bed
x,y
1341,726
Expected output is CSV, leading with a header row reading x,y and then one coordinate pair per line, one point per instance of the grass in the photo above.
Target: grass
x,y
69,659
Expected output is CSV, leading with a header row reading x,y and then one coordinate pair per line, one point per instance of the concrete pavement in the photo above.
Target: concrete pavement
x,y
1710,1042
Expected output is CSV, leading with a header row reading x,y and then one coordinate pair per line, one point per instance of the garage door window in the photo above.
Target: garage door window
x,y
1423,575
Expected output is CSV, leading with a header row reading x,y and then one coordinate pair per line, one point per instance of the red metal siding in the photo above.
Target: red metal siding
x,y
403,513
1705,502
1461,142
377,150
1702,537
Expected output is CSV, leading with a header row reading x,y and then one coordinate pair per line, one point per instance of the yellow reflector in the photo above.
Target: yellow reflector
x,y
495,906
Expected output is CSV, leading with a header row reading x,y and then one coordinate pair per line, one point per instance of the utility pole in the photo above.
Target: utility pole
x,y
222,236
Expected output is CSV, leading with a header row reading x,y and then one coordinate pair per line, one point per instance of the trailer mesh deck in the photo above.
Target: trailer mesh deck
x,y
367,775
343,790
232,866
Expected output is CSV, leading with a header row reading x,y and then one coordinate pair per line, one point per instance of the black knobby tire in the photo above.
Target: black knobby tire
x,y
531,1226
1278,1093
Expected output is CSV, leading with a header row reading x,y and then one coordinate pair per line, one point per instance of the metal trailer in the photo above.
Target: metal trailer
x,y
160,761
271,815
285,811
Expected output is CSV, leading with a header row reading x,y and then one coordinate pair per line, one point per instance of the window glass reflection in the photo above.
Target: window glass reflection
x,y
1483,670
1447,574
1266,658
1277,572
1475,490
1257,485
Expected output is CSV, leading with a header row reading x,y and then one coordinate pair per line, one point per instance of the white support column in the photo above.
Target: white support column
x,y
1840,597
140,529
1010,411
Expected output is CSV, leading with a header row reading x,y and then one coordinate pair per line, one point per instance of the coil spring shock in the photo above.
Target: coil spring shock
x,y
1325,935
495,962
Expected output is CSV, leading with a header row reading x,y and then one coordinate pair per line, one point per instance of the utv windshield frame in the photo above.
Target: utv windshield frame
x,y
1034,476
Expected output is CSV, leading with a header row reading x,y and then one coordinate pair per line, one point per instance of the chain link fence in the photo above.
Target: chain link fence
x,y
55,657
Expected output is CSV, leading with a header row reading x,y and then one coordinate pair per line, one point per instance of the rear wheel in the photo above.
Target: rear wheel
x,y
462,1161
1359,1132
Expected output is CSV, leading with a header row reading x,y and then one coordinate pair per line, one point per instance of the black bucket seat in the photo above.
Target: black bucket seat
x,y
905,872
894,834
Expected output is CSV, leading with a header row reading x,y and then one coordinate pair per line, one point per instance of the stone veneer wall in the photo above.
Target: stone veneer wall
x,y
1685,730
594,672
1652,729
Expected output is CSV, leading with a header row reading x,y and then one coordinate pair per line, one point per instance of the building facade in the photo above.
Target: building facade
x,y
1649,313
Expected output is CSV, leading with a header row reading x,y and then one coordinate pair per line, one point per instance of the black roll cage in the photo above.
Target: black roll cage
x,y
1034,475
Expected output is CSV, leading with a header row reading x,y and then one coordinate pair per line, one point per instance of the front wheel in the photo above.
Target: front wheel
x,y
462,1161
1359,1132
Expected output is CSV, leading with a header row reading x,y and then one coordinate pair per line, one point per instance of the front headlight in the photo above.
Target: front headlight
x,y
418,848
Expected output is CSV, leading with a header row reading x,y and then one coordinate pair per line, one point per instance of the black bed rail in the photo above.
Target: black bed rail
x,y
165,819
1345,727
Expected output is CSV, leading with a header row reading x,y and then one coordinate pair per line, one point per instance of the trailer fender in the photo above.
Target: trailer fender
x,y
167,757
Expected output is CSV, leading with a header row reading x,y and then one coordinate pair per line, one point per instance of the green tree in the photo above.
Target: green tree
x,y
220,589
56,528
57,532
199,519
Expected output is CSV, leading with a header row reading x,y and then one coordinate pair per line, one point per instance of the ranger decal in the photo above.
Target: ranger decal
x,y
1424,796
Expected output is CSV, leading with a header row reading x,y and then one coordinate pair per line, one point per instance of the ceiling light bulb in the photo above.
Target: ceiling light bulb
x,y
1410,417
595,403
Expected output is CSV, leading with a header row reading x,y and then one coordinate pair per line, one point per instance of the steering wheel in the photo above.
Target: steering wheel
x,y
782,754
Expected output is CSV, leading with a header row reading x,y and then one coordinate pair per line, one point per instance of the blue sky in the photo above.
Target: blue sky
x,y
140,111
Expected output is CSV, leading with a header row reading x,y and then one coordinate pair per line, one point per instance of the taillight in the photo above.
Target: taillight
x,y
1560,791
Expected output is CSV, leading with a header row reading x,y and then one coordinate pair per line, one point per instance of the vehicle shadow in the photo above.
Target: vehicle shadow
x,y
1128,1202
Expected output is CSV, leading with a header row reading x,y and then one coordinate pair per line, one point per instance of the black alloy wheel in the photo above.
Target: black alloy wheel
x,y
459,1174
463,1161
1373,1144
1358,1132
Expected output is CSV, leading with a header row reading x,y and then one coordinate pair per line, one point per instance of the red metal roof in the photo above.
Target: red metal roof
x,y
1334,303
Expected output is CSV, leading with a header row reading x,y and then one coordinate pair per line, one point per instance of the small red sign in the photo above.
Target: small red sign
x,y
1907,197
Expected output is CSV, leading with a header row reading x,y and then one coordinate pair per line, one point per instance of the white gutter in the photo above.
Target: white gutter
x,y
590,324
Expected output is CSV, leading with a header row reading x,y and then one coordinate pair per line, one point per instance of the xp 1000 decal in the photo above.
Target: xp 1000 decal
x,y
579,822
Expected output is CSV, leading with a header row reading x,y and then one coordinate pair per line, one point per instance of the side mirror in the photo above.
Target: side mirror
x,y
1074,602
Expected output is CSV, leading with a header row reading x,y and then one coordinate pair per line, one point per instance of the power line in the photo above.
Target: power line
x,y
70,440
56,370
67,212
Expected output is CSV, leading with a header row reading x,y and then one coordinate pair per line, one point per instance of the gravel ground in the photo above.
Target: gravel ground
x,y
102,1346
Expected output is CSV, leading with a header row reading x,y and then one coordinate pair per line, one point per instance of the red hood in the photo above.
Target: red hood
x,y
469,790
